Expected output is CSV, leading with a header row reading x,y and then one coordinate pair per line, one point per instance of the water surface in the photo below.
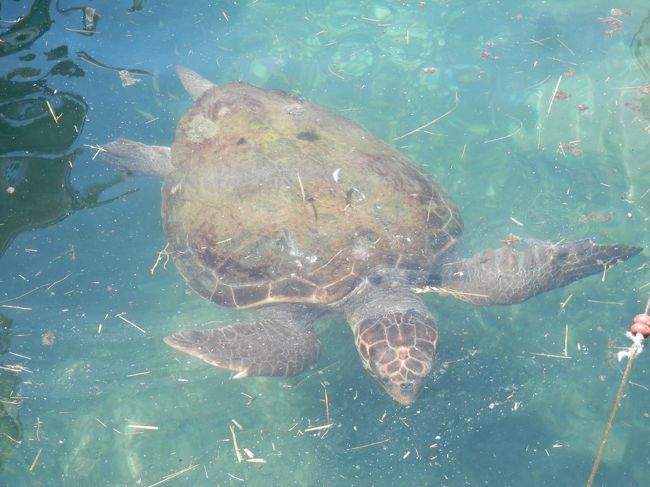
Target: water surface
x,y
78,241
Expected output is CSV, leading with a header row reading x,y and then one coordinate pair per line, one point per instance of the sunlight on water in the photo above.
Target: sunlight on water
x,y
534,115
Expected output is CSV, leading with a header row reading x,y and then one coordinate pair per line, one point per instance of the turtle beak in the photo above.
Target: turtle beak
x,y
405,392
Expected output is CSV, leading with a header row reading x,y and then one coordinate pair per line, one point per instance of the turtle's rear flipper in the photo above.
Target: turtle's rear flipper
x,y
137,158
509,275
266,347
194,83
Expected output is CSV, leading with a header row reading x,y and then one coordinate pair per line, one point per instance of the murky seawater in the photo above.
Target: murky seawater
x,y
82,315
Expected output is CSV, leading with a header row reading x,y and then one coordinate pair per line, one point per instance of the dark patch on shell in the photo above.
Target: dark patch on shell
x,y
308,136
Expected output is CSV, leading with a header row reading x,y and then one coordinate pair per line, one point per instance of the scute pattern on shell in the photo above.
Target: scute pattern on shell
x,y
277,200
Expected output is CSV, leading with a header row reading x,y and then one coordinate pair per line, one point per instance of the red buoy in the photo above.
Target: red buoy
x,y
641,324
643,319
640,327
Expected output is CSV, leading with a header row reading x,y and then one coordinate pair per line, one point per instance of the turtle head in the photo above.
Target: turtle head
x,y
398,350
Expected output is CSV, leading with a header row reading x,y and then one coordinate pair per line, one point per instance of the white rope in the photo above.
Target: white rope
x,y
634,349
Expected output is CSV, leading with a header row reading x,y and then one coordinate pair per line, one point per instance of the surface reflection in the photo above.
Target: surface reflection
x,y
39,128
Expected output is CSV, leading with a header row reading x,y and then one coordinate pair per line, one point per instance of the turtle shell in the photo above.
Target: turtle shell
x,y
277,200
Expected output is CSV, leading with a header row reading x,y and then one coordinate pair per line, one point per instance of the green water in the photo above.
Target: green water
x,y
78,240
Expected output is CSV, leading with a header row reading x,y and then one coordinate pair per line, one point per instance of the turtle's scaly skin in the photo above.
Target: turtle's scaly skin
x,y
277,200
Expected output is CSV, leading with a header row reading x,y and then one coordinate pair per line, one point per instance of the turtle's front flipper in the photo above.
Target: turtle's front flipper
x,y
269,346
509,275
137,158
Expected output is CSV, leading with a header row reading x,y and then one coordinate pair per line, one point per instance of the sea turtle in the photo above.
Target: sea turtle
x,y
276,204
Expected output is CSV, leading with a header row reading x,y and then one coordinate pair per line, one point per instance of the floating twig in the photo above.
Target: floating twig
x,y
171,476
161,253
604,302
565,302
302,189
37,425
54,115
435,120
549,355
121,316
15,368
142,427
512,134
550,102
15,307
81,31
367,445
566,47
234,444
538,83
256,460
606,267
17,442
318,428
19,355
327,403
38,455
250,398
334,73
136,374
60,280
516,222
98,149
